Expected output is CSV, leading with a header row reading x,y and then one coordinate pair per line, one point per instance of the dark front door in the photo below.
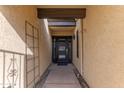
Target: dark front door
x,y
62,50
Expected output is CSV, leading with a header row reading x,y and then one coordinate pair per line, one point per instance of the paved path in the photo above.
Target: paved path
x,y
61,77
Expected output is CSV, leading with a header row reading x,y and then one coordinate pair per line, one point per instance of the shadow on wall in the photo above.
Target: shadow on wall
x,y
12,34
12,40
12,52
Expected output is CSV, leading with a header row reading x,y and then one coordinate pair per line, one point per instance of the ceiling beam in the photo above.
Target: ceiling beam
x,y
61,20
61,13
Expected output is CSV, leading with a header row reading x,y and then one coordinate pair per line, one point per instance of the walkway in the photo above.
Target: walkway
x,y
61,77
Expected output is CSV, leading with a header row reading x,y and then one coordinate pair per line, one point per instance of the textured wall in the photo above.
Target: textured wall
x,y
45,47
104,46
12,33
78,61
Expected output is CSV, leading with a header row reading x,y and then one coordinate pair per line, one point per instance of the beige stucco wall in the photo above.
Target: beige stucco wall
x,y
12,34
104,46
78,61
45,47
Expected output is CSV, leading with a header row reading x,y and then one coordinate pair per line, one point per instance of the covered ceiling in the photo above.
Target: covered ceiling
x,y
61,18
61,22
62,28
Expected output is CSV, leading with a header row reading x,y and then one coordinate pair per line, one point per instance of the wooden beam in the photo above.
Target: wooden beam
x,y
61,12
62,20
62,33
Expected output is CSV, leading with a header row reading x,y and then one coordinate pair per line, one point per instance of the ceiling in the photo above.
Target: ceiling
x,y
62,28
64,25
61,22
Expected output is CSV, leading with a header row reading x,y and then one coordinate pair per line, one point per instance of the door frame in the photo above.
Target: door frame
x,y
54,38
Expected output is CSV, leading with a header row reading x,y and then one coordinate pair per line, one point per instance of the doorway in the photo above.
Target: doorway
x,y
62,50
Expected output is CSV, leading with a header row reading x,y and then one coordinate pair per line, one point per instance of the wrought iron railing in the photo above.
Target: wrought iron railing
x,y
15,68
11,69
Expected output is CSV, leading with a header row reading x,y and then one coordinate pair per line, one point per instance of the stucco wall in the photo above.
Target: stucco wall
x,y
104,46
45,46
12,34
78,60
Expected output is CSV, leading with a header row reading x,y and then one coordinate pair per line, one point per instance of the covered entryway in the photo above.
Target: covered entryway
x,y
62,73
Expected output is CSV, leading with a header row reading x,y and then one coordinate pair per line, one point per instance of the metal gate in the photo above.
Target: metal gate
x,y
32,55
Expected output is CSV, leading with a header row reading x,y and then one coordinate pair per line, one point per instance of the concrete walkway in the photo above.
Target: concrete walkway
x,y
61,77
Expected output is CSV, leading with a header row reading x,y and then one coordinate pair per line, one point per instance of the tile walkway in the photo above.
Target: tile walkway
x,y
61,77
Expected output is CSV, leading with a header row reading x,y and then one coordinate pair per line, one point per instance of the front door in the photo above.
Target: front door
x,y
62,50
